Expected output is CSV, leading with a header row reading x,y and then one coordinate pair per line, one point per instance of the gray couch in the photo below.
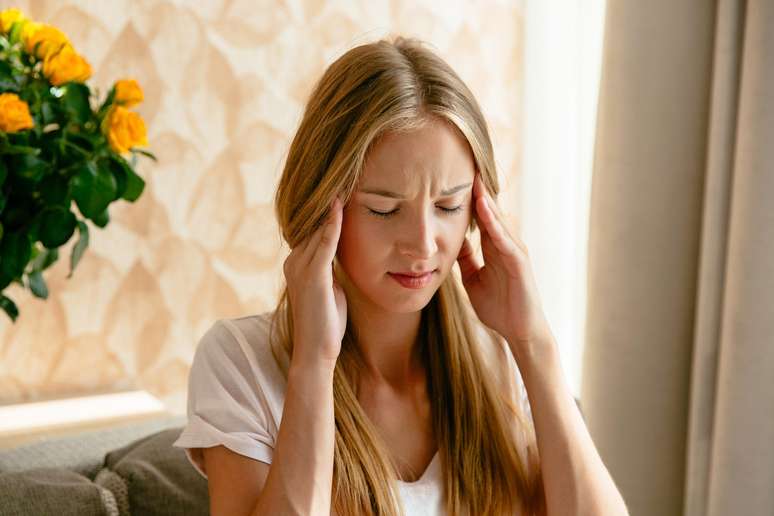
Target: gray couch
x,y
126,470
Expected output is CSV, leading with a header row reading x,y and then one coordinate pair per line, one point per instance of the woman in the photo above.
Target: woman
x,y
373,388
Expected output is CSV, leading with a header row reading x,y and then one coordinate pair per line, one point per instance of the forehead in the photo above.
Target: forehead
x,y
436,152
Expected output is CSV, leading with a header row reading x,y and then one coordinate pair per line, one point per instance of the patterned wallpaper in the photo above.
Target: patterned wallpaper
x,y
225,84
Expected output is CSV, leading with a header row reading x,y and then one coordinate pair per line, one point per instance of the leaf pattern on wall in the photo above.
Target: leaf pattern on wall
x,y
225,83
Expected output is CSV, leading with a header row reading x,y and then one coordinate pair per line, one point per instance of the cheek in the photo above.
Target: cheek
x,y
359,249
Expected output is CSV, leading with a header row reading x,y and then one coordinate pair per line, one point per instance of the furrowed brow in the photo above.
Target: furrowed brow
x,y
394,195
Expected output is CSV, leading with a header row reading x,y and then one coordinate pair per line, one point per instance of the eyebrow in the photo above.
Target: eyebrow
x,y
393,195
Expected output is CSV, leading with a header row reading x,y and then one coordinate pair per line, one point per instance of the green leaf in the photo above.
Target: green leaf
x,y
73,151
28,166
9,307
19,208
106,105
130,184
102,219
47,112
34,254
44,259
14,34
57,226
4,281
7,78
15,251
93,189
80,246
76,101
38,285
146,154
85,142
55,189
19,149
107,165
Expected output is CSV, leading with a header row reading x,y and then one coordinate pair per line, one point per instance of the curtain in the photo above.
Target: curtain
x,y
562,58
678,367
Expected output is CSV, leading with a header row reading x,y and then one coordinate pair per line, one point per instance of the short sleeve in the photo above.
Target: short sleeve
x,y
226,405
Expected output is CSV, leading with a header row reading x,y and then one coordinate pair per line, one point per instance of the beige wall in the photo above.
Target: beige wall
x,y
225,84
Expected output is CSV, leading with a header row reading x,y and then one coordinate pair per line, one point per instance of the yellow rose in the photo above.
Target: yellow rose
x,y
125,129
128,93
43,40
14,113
9,17
65,66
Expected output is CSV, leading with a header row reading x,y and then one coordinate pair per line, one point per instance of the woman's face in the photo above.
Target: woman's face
x,y
409,214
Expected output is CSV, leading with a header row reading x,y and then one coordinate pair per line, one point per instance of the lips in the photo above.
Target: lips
x,y
413,280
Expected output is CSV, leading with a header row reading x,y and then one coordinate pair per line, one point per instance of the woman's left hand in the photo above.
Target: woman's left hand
x,y
502,290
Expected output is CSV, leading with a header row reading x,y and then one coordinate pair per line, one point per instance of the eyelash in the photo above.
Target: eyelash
x,y
448,211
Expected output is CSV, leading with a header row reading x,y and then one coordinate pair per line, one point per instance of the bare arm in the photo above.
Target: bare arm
x,y
301,476
576,481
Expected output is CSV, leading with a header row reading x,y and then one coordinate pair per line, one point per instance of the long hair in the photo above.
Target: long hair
x,y
486,443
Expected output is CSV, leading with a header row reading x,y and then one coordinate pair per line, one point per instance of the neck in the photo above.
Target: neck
x,y
389,346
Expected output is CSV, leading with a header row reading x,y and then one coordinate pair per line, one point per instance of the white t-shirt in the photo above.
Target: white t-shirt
x,y
236,393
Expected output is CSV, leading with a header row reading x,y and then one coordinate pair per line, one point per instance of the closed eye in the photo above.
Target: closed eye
x,y
386,214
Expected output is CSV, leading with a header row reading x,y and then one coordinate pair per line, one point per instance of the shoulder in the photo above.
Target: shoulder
x,y
237,347
234,336
235,391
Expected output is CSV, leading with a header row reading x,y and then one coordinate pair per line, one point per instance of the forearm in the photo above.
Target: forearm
x,y
575,479
301,473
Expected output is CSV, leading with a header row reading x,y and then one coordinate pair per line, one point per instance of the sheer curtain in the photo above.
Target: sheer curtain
x,y
563,49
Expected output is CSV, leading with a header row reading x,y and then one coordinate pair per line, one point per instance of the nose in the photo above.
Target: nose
x,y
418,237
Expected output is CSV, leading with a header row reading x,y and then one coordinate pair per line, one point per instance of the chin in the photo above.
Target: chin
x,y
408,306
404,301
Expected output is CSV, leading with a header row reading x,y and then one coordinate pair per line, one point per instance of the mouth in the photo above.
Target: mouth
x,y
413,280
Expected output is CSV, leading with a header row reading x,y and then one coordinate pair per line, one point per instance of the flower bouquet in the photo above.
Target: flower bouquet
x,y
58,144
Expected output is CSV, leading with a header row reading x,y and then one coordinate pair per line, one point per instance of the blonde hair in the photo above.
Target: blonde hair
x,y
486,444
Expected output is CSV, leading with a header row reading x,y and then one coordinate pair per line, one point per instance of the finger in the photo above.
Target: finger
x,y
491,220
314,239
305,245
479,192
483,192
329,236
468,262
312,242
494,229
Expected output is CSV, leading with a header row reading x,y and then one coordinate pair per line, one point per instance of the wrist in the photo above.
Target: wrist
x,y
540,352
311,368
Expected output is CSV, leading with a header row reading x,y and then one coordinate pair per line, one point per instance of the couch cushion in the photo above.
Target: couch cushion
x,y
53,491
159,478
83,452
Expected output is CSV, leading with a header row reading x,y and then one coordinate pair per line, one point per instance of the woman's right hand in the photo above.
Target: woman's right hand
x,y
318,304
